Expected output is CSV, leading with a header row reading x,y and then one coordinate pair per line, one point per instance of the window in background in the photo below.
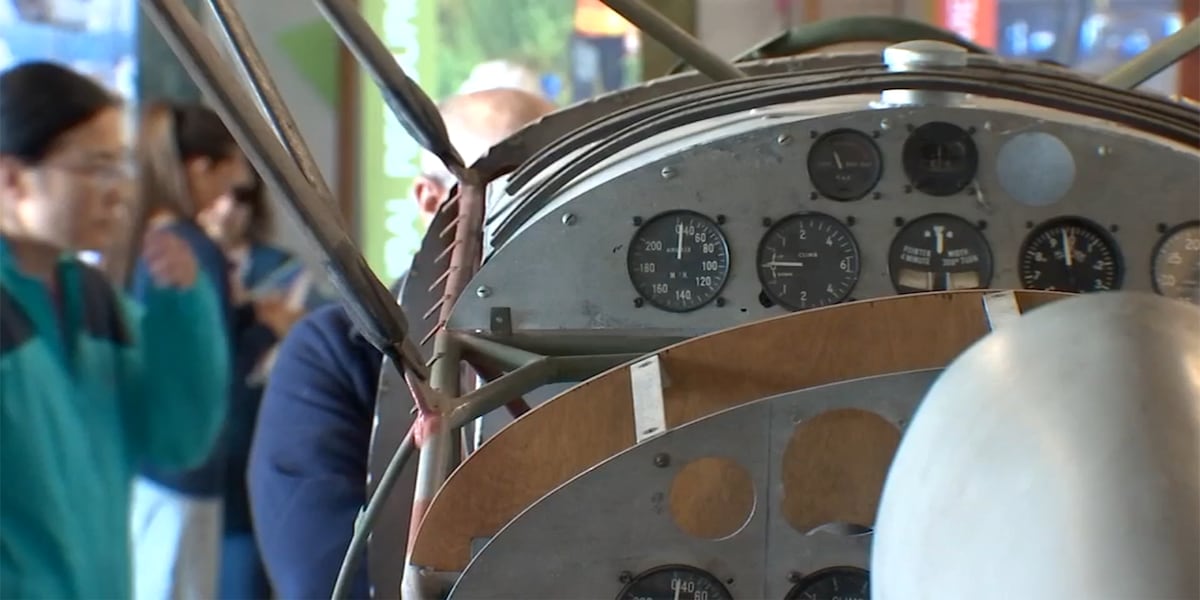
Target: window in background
x,y
97,37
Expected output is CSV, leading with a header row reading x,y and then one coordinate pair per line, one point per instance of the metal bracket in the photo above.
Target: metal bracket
x,y
647,381
1001,308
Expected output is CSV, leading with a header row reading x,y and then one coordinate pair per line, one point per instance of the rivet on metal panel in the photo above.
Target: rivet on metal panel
x,y
647,381
1001,308
483,291
783,139
501,321
569,219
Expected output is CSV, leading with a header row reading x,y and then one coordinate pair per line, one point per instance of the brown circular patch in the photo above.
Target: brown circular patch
x,y
712,498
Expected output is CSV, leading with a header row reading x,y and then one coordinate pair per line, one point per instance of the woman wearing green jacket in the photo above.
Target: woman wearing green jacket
x,y
91,386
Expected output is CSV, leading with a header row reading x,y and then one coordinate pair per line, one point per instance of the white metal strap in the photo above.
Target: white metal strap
x,y
1001,308
647,382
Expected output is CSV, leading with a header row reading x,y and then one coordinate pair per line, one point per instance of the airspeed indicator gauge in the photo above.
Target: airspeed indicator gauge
x,y
679,261
675,582
808,260
939,252
1070,254
844,165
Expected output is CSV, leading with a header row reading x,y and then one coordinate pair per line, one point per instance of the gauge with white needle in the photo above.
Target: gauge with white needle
x,y
1070,254
674,582
844,165
939,252
808,260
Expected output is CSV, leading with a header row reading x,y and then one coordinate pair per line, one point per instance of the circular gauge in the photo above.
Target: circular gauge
x,y
836,583
1176,263
939,252
844,165
808,260
674,582
940,159
679,261
1070,255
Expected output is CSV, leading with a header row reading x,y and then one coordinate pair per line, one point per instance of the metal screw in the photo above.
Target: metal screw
x,y
625,577
667,172
987,125
766,221
662,460
850,220
637,221
1103,150
783,139
720,302
794,577
721,219
568,219
483,291
876,196
638,302
885,124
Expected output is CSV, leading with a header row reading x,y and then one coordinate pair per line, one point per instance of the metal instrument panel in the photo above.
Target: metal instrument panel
x,y
595,531
1034,165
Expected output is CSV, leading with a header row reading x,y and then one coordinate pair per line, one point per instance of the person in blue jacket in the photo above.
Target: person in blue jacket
x,y
91,385
309,460
188,159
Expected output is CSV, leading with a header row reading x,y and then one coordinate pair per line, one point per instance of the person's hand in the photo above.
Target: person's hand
x,y
276,314
169,259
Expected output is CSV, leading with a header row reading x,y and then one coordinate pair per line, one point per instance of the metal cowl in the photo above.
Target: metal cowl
x,y
922,55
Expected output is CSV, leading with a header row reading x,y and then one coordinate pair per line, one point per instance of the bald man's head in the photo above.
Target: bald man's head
x,y
476,122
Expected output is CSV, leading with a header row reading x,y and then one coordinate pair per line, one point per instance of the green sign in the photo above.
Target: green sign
x,y
388,158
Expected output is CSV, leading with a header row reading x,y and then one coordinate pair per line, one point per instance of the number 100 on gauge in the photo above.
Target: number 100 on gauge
x,y
678,261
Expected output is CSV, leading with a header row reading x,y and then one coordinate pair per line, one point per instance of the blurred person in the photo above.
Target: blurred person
x,y
93,385
600,41
188,160
240,222
309,461
501,74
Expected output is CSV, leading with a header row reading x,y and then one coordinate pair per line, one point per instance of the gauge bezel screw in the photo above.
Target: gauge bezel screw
x,y
625,577
667,172
662,460
483,291
638,302
794,577
783,139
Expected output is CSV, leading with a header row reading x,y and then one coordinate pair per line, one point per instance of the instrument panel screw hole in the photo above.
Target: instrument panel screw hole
x,y
767,222
1161,227
667,172
794,577
1114,228
876,196
875,134
813,134
971,130
765,300
637,221
813,196
720,302
729,581
1028,224
783,139
662,460
910,127
898,221
908,189
721,219
850,220
981,225
625,577
638,302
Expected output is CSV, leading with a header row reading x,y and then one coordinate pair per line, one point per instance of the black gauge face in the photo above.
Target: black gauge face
x,y
806,261
837,583
1176,267
844,165
1070,255
939,252
675,582
679,261
940,159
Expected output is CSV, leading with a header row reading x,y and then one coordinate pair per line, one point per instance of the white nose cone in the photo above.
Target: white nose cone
x,y
1059,457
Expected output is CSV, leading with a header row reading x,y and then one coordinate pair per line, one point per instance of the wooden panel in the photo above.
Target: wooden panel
x,y
1189,69
594,420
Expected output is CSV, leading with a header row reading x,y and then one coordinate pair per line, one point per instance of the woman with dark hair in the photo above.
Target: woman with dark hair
x,y
188,160
271,285
91,386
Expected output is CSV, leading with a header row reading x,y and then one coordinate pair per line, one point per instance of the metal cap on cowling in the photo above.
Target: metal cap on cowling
x,y
922,55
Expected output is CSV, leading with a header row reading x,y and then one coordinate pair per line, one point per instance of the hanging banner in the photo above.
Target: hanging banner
x,y
975,20
388,158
